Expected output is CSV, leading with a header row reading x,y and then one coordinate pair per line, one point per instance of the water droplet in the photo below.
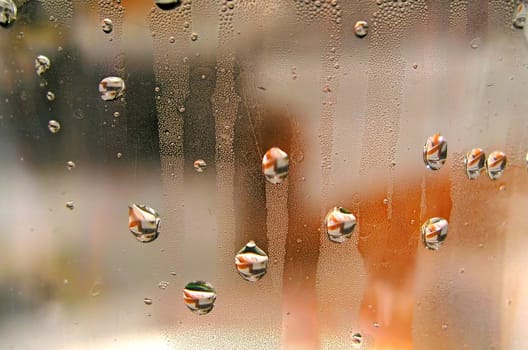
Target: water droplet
x,y
107,25
200,165
415,65
475,162
361,28
119,155
495,164
519,15
116,114
475,43
376,324
199,296
434,233
143,222
70,205
435,152
147,301
275,164
8,13
194,36
96,289
70,165
339,224
163,285
42,64
357,340
50,96
172,40
54,126
111,88
167,5
502,188
444,326
251,262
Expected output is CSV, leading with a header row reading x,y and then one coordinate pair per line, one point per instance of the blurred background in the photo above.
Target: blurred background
x,y
224,81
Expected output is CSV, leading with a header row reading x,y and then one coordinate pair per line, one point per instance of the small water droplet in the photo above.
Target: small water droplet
x,y
385,201
147,301
339,224
357,340
42,64
65,282
275,165
143,222
182,109
502,188
8,13
173,273
519,15
376,324
200,165
50,96
70,205
119,155
361,29
107,25
444,326
475,43
251,262
70,165
111,88
54,126
163,285
415,65
116,114
167,5
435,152
495,164
96,289
194,36
475,162
199,296
434,233
172,40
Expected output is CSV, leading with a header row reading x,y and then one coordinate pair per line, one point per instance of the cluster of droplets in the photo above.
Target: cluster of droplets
x,y
310,10
396,14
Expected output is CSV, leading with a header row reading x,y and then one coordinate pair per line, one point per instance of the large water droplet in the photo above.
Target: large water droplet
x,y
143,222
519,15
495,164
54,126
275,164
434,233
42,64
475,161
200,165
107,25
199,296
435,152
251,262
168,4
8,13
339,224
111,88
361,29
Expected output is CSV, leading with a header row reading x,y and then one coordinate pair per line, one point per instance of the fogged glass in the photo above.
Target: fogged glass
x,y
303,174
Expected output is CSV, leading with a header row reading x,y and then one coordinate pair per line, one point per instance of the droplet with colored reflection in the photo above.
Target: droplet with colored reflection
x,y
54,126
167,5
357,340
251,262
111,88
275,165
200,165
143,222
8,13
475,161
199,296
435,152
107,25
339,224
361,29
519,15
495,164
42,64
434,233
